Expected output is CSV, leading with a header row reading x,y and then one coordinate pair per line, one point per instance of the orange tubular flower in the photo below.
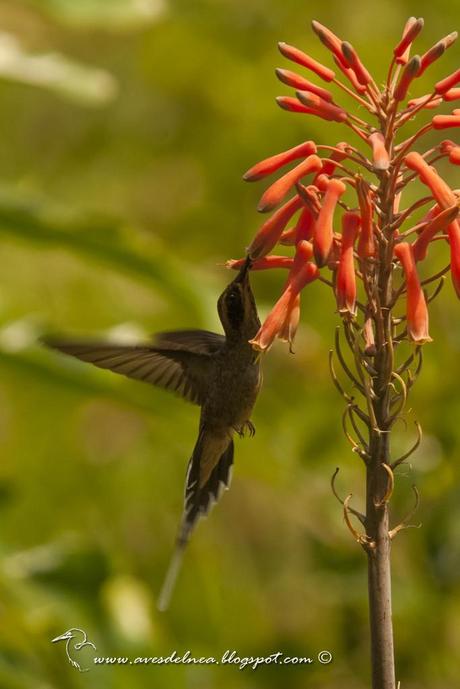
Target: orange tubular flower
x,y
366,243
451,94
329,39
454,241
410,33
298,82
346,279
411,70
436,51
323,232
445,121
278,190
276,323
265,263
352,58
351,76
429,105
292,105
303,230
306,61
274,163
270,232
304,227
446,146
428,175
330,164
416,308
321,107
454,155
449,82
439,223
291,323
380,156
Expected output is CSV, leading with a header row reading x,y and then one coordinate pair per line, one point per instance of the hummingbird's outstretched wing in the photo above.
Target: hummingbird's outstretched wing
x,y
208,473
177,361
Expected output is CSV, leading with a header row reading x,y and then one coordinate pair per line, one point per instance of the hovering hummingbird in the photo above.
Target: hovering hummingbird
x,y
220,373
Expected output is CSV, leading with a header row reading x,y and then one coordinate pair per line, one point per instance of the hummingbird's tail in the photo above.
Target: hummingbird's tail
x,y
200,496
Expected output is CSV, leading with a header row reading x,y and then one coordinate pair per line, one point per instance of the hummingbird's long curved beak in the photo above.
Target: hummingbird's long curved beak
x,y
244,271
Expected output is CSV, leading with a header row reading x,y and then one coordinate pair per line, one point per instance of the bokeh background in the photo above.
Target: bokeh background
x,y
125,128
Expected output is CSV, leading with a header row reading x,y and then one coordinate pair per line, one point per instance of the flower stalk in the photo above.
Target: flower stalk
x,y
353,225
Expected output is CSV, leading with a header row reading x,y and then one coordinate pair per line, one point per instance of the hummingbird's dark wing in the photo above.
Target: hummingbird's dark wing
x,y
176,364
198,341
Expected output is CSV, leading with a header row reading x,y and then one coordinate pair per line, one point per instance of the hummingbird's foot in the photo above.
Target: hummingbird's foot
x,y
246,426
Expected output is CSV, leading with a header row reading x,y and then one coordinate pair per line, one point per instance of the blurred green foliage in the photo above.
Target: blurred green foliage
x,y
120,194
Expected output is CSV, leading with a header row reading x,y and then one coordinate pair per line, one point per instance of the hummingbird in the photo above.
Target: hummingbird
x,y
220,373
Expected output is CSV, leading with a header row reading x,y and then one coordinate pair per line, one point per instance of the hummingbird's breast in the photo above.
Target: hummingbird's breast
x,y
233,390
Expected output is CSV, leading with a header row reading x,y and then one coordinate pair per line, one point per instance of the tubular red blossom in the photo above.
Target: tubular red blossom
x,y
410,72
454,155
449,82
442,193
446,146
310,197
270,165
292,105
274,322
429,105
303,230
278,190
380,157
451,94
321,107
454,241
291,324
330,164
304,226
306,61
265,263
352,58
302,273
270,232
321,181
329,39
323,232
288,237
445,121
366,243
438,224
416,308
435,52
351,76
298,82
410,33
346,279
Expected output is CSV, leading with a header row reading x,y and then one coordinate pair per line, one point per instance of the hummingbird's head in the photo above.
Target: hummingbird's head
x,y
237,307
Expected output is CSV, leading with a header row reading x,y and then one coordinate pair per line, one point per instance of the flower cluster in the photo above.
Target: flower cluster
x,y
363,184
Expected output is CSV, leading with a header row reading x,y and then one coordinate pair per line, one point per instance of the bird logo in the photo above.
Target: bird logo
x,y
220,373
72,648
